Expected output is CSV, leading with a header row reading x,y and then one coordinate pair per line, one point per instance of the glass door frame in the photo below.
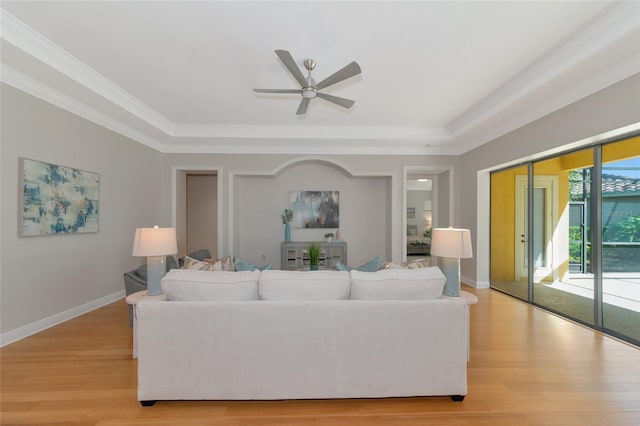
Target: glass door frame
x,y
595,212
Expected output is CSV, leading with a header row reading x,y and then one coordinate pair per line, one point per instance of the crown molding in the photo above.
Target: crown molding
x,y
608,77
613,26
239,145
35,88
35,44
425,135
309,147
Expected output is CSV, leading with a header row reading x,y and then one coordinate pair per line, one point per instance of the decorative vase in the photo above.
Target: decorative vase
x,y
329,239
338,236
287,233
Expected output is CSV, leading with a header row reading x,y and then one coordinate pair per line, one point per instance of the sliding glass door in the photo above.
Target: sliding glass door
x,y
508,233
561,220
565,235
621,238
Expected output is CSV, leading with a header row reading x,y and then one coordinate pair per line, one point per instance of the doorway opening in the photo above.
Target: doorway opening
x,y
196,210
420,218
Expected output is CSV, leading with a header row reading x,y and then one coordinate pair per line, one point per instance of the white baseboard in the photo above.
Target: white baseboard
x,y
43,324
483,284
473,283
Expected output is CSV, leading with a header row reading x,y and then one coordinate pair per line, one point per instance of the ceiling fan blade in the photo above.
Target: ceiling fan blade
x,y
288,61
345,103
298,91
303,106
346,72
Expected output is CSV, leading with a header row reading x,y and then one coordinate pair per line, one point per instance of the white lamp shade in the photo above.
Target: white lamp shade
x,y
451,242
155,242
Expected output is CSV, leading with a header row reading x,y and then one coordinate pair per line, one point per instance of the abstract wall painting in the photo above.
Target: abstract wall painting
x,y
315,209
56,200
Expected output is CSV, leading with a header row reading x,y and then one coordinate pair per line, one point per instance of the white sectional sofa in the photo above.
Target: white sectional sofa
x,y
302,335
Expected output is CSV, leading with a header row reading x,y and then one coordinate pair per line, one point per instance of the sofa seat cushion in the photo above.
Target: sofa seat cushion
x,y
304,285
397,284
195,285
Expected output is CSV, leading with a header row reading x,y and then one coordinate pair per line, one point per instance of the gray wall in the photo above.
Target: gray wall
x,y
577,124
373,186
202,213
48,279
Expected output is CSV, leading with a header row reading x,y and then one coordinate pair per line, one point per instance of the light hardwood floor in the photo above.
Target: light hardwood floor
x,y
527,367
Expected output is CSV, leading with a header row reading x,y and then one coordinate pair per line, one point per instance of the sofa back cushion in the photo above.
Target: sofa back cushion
x,y
397,284
194,285
304,285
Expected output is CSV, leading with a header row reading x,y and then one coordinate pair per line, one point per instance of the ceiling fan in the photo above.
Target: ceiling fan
x,y
309,88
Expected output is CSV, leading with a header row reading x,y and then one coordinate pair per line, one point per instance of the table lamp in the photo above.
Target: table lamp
x,y
155,243
451,245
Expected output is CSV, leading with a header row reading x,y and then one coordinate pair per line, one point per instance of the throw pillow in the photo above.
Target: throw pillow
x,y
370,266
198,255
418,263
411,264
224,264
191,263
243,265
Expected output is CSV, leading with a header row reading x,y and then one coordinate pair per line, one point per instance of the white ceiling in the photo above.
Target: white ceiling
x,y
437,77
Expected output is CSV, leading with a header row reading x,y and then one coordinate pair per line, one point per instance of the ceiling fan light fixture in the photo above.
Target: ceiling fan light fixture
x,y
309,92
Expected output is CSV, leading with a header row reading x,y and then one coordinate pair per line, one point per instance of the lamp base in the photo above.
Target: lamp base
x,y
450,267
155,271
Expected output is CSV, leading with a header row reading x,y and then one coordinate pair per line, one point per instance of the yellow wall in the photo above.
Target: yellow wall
x,y
627,148
503,225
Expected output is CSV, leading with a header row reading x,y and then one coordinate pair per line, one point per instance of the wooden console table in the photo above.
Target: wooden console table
x,y
294,255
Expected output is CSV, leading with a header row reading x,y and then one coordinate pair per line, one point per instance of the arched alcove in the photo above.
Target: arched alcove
x,y
257,199
297,162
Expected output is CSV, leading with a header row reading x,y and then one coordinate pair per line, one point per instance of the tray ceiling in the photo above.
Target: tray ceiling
x,y
437,77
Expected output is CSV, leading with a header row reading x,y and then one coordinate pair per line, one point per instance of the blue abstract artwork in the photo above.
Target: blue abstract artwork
x,y
57,200
315,209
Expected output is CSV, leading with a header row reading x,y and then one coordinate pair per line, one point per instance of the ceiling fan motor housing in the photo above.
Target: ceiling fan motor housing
x,y
309,64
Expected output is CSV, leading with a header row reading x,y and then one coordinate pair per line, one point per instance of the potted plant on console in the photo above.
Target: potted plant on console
x,y
314,255
329,236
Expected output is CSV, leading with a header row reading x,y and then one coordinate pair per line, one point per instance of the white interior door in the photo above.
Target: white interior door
x,y
545,206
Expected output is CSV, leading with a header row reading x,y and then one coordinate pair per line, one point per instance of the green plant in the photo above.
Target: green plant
x,y
329,235
627,230
575,243
286,216
314,253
